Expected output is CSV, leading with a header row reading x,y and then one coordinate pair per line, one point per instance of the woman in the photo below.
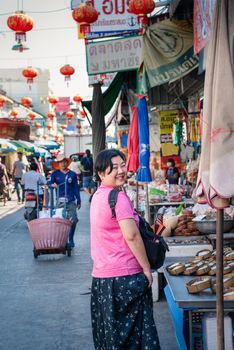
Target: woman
x,y
172,173
121,299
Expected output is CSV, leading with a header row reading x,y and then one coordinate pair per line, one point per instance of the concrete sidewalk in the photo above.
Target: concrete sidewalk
x,y
10,207
45,302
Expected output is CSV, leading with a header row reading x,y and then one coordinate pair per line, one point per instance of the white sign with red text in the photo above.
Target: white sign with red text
x,y
113,17
106,79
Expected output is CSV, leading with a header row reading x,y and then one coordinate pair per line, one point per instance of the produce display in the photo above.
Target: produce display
x,y
185,225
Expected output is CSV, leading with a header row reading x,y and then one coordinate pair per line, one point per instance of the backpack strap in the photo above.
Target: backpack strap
x,y
112,200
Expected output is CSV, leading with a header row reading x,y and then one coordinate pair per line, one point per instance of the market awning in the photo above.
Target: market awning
x,y
23,145
7,146
109,96
48,144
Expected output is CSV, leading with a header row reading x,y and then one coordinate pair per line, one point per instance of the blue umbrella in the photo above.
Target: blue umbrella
x,y
143,123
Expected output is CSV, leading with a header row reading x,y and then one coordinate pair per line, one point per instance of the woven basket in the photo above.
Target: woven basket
x,y
49,233
176,270
227,282
189,270
228,293
204,254
198,284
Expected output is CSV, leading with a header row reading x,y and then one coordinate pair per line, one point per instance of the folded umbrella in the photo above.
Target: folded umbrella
x,y
133,143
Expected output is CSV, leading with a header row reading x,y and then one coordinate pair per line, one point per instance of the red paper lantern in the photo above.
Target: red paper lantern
x,y
53,100
141,8
30,73
20,23
51,115
3,100
82,114
26,101
67,71
85,14
32,115
37,125
69,115
49,127
63,126
13,113
78,126
77,99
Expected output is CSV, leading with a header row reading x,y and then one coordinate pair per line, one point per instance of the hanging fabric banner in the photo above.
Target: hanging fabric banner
x,y
167,53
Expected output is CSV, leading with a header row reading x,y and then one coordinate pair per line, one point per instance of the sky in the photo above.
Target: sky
x,y
53,42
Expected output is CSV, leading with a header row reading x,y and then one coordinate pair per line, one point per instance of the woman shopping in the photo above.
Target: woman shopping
x,y
121,298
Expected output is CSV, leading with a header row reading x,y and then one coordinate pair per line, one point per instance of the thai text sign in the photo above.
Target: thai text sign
x,y
114,55
113,17
167,52
167,119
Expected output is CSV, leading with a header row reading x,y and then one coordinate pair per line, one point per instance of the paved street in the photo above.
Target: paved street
x,y
44,302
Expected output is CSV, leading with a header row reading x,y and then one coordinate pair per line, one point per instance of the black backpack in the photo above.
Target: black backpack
x,y
87,163
155,245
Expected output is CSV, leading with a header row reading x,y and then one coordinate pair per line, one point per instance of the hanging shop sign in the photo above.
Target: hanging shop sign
x,y
113,18
202,24
106,79
167,120
167,52
63,105
114,55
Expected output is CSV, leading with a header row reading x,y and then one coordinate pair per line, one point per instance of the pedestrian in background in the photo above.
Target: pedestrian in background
x,y
87,170
33,180
58,178
4,182
19,169
121,296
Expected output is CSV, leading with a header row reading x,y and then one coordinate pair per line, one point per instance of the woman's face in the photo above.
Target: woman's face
x,y
118,175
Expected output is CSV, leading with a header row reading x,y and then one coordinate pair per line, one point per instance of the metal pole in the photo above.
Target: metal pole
x,y
65,203
37,199
137,195
219,280
147,216
51,201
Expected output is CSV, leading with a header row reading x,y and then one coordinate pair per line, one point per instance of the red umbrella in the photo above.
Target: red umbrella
x,y
133,142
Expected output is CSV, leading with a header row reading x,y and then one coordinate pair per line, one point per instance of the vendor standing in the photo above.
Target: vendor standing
x,y
58,178
172,173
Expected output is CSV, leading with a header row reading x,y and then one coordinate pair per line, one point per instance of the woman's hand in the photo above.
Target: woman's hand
x,y
149,276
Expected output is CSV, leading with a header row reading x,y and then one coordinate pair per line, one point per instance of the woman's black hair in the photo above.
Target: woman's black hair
x,y
103,161
171,160
33,166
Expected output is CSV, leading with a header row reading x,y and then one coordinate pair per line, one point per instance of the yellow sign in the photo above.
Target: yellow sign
x,y
80,35
167,119
168,149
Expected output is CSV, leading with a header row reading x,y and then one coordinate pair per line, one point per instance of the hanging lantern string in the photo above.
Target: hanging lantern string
x,y
50,11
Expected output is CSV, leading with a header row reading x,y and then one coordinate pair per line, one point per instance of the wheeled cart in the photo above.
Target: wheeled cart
x,y
50,235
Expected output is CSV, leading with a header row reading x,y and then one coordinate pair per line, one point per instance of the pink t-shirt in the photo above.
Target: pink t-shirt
x,y
109,250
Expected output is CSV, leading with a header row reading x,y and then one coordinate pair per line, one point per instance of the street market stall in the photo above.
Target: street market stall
x,y
192,312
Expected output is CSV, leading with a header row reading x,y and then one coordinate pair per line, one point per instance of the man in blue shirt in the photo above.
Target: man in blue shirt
x,y
58,178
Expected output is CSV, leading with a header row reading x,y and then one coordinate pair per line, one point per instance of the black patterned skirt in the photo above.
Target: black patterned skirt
x,y
122,314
